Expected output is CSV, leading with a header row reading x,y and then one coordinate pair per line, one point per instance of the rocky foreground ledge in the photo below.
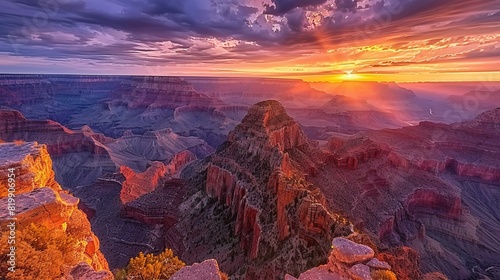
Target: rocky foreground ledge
x,y
39,211
349,260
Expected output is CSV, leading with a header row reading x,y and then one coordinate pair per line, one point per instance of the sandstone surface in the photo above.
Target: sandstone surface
x,y
40,201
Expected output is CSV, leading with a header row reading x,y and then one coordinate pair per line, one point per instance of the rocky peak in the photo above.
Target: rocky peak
x,y
259,176
267,122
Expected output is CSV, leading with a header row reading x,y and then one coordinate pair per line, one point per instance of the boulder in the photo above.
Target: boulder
x,y
377,264
207,270
350,252
360,272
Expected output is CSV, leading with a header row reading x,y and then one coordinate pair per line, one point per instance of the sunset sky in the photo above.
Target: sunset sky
x,y
316,40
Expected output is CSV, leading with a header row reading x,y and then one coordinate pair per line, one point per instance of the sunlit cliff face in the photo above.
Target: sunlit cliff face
x,y
376,40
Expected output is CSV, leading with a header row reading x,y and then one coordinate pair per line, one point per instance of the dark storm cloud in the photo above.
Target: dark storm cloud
x,y
347,5
296,20
155,8
282,7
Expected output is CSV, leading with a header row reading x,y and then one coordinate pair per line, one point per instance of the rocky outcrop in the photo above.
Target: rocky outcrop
x,y
40,201
43,206
350,153
83,271
438,204
207,270
179,161
269,120
31,164
160,206
138,184
486,120
138,151
350,252
259,175
59,139
456,148
404,261
349,260
77,158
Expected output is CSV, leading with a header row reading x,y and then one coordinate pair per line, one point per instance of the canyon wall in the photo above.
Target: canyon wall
x,y
41,204
422,186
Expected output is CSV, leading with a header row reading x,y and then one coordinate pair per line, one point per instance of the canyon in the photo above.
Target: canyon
x,y
257,189
421,186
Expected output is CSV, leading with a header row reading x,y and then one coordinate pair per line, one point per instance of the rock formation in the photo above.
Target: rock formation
x,y
32,165
59,139
41,202
159,92
421,187
207,270
349,260
268,201
138,184
83,271
254,185
77,158
137,151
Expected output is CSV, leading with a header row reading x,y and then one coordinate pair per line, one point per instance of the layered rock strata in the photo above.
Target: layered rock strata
x,y
276,216
421,186
39,201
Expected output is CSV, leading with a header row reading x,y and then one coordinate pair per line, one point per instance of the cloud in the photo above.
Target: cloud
x,y
347,5
251,32
282,7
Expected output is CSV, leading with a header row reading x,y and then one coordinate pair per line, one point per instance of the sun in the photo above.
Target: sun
x,y
350,75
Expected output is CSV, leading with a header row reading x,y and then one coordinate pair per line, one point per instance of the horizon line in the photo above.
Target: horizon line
x,y
250,77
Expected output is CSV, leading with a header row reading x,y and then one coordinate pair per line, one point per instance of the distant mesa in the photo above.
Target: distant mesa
x,y
248,91
159,92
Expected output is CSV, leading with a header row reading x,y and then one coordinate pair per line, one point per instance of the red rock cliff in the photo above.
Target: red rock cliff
x,y
40,201
256,175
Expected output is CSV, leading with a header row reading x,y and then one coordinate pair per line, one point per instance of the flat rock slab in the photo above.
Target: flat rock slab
x,y
319,274
360,272
207,270
351,252
83,271
377,264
